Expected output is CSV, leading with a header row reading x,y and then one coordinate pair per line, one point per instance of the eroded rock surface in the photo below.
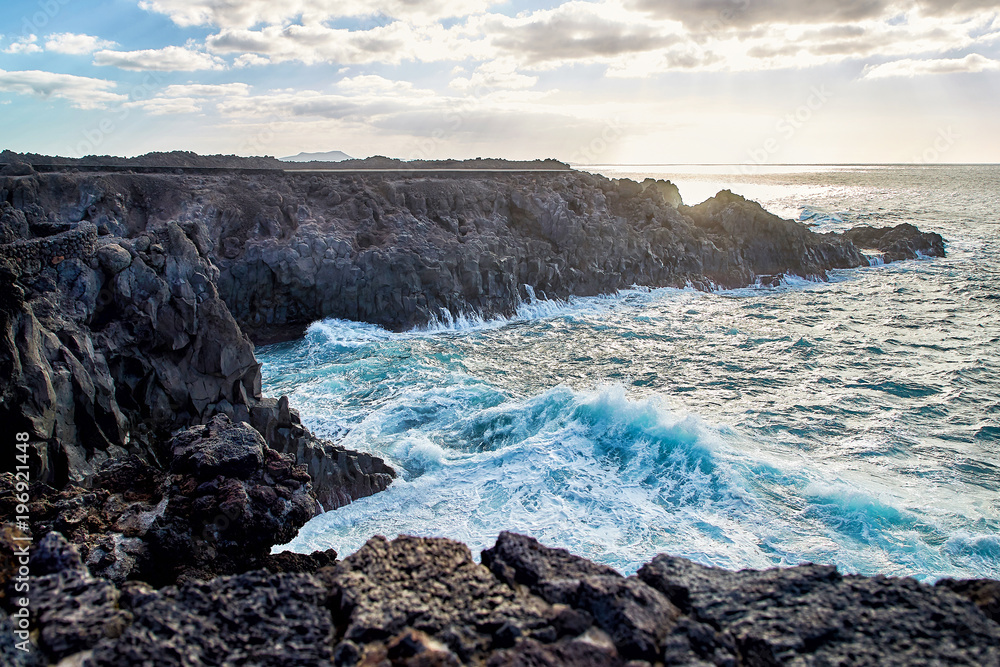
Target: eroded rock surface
x,y
401,250
110,343
425,601
225,499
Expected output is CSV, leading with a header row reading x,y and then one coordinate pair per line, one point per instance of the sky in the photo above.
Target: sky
x,y
585,81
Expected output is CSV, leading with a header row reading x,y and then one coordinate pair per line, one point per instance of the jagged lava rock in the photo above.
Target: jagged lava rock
x,y
423,601
811,614
401,250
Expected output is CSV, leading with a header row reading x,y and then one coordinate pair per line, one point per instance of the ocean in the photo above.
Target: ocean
x,y
854,422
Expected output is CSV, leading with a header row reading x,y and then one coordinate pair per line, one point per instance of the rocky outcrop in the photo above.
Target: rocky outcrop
x,y
896,243
224,501
338,475
111,343
419,601
813,613
771,246
403,249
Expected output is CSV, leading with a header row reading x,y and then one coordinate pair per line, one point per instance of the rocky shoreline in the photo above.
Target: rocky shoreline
x,y
162,477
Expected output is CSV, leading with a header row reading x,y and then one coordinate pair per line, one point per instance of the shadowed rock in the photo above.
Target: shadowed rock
x,y
252,619
404,249
896,243
419,601
813,613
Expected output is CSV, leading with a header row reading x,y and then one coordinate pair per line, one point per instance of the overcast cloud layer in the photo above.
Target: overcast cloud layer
x,y
589,81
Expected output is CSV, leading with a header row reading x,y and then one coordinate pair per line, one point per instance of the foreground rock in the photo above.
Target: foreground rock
x,y
418,601
225,499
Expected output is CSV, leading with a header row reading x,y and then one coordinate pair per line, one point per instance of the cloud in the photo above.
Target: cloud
x,y
74,44
26,44
972,63
160,106
189,98
714,15
390,44
207,90
501,73
167,59
250,60
80,91
636,39
372,84
576,31
246,14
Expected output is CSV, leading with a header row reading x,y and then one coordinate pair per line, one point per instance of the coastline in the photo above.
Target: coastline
x,y
128,300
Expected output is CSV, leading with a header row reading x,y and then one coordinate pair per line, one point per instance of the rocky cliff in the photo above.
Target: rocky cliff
x,y
401,250
111,342
127,296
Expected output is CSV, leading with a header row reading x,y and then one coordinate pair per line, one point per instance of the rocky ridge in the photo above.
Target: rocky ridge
x,y
405,249
424,601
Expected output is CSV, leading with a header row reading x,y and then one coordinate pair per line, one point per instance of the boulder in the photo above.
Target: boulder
x,y
113,258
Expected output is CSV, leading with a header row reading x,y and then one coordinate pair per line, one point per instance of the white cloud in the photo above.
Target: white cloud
x,y
630,42
74,44
245,14
160,106
250,60
189,98
310,44
909,67
371,84
167,59
26,44
80,91
207,90
495,74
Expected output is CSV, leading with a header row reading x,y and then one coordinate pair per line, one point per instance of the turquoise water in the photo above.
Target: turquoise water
x,y
853,422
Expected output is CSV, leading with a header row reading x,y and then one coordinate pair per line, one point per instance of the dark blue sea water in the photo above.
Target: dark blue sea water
x,y
855,422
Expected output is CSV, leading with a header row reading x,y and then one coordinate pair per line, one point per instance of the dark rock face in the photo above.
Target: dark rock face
x,y
431,585
813,613
635,616
338,475
895,243
75,610
984,593
419,601
768,245
402,250
110,343
220,448
252,619
227,499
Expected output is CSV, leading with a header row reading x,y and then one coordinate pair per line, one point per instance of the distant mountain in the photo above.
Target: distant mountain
x,y
330,156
